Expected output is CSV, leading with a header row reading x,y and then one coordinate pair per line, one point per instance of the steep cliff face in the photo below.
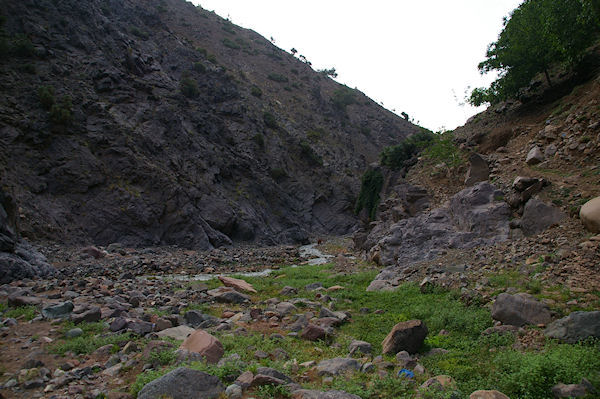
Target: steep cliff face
x,y
182,128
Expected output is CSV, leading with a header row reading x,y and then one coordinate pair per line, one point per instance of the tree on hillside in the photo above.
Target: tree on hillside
x,y
537,35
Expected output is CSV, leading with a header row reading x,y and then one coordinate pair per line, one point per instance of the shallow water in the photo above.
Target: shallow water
x,y
310,251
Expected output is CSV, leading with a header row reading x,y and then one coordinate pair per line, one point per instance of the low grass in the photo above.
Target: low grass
x,y
95,335
26,312
474,361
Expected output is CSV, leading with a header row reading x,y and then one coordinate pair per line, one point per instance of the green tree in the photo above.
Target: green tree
x,y
537,35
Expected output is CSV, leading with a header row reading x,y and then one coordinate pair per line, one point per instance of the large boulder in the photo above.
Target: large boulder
x,y
202,343
8,223
405,336
18,259
519,310
535,156
183,383
475,216
575,327
590,215
337,366
538,216
237,284
478,170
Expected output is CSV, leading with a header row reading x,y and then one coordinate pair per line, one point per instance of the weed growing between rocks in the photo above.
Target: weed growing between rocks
x,y
474,360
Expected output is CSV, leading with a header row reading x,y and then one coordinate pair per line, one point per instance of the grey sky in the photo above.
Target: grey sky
x,y
416,56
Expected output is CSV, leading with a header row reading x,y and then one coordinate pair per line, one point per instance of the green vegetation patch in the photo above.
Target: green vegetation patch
x,y
473,360
95,335
368,198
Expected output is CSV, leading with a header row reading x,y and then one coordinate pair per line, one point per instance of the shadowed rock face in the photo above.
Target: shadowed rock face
x,y
185,130
475,216
18,259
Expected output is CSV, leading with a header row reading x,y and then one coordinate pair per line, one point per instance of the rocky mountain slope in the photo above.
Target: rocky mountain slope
x,y
157,122
540,158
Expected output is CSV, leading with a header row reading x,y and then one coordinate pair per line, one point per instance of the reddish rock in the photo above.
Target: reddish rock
x,y
237,284
313,333
406,336
245,379
94,252
205,345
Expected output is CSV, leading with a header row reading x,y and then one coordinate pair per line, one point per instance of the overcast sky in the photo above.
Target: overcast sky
x,y
415,56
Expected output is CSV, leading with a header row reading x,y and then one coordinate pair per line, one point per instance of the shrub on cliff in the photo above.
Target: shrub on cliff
x,y
368,198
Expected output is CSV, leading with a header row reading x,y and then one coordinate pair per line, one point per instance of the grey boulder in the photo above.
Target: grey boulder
x,y
337,366
538,216
519,310
183,383
575,327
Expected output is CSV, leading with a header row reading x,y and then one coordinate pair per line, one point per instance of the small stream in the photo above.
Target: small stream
x,y
315,257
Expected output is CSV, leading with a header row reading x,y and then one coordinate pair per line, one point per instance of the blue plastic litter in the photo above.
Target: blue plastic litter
x,y
406,373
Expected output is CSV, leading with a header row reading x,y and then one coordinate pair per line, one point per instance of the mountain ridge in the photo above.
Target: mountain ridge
x,y
183,129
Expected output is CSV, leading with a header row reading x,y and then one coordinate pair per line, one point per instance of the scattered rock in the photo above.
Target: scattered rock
x,y
205,345
94,252
519,310
360,346
538,216
74,332
488,395
58,311
313,333
575,327
535,156
408,336
312,394
228,295
91,315
183,383
478,170
573,390
590,215
337,366
237,284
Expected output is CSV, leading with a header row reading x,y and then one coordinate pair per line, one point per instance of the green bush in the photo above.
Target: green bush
x,y
278,78
536,36
277,173
259,139
139,33
163,357
443,150
256,91
46,96
343,97
368,198
270,120
22,46
396,157
231,44
309,154
27,312
189,87
61,112
315,135
198,67
212,58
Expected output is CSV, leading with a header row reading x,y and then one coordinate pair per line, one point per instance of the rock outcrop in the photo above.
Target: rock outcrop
x,y
18,259
475,216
